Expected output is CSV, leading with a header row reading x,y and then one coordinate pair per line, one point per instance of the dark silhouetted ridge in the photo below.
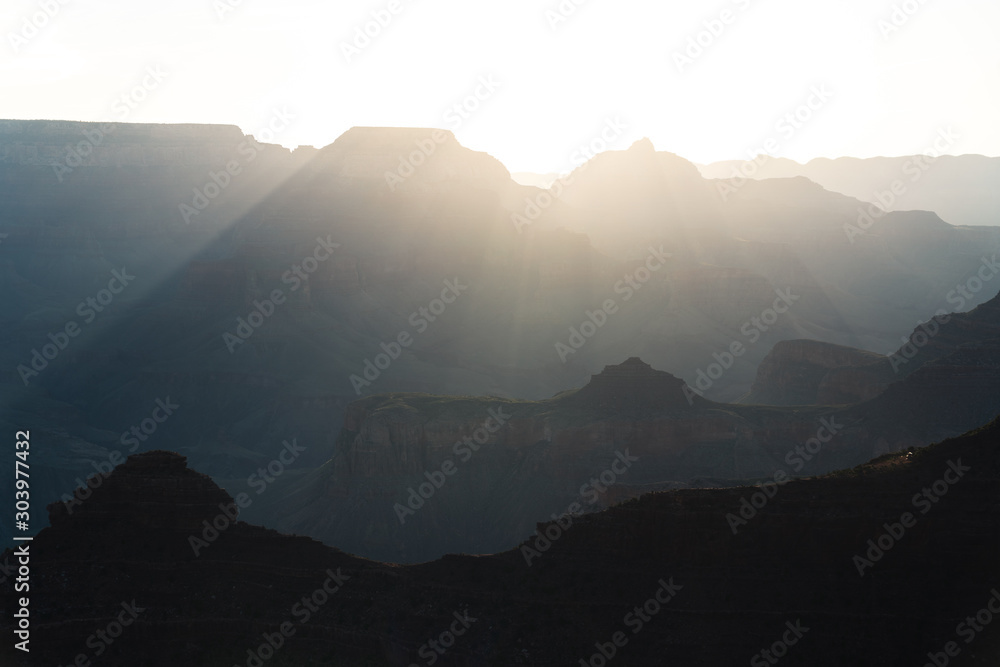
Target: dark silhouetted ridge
x,y
211,608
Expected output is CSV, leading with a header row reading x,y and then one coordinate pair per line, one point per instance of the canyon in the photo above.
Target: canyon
x,y
810,557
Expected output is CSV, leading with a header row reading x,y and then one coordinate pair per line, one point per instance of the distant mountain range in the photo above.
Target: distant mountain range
x,y
270,289
961,189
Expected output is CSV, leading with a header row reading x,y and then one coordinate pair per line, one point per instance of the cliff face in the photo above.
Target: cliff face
x,y
537,460
802,560
809,372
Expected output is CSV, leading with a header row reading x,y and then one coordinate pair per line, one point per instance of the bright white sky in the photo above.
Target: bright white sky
x,y
557,87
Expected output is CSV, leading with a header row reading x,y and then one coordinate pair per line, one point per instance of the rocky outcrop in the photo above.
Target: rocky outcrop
x,y
634,387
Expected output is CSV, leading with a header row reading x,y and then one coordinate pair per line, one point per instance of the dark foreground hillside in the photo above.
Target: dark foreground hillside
x,y
787,582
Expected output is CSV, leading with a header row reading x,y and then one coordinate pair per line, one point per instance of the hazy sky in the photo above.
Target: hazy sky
x,y
556,83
